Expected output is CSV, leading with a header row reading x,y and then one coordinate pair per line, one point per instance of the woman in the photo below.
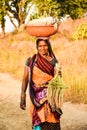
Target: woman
x,y
39,70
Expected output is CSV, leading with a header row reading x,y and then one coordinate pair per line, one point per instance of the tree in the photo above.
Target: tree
x,y
74,8
45,8
18,10
60,8
14,9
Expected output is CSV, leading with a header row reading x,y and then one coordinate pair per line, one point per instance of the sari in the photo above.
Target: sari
x,y
41,72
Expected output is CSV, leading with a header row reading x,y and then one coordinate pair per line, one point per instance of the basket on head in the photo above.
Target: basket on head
x,y
41,31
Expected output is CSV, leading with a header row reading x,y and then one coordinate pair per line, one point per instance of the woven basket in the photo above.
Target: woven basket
x,y
41,31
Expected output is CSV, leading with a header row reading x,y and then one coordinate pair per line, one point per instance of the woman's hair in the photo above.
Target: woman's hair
x,y
49,46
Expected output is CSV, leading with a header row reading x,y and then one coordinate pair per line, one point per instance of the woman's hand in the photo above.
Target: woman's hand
x,y
60,73
23,102
58,70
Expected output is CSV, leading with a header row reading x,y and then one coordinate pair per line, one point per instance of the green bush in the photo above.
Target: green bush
x,y
81,32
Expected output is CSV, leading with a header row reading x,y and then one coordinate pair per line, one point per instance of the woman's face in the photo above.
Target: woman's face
x,y
42,48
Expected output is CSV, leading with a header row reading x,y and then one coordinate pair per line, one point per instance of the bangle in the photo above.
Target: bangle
x,y
23,95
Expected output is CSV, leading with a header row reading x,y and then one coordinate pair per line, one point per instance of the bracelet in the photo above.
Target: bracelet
x,y
23,95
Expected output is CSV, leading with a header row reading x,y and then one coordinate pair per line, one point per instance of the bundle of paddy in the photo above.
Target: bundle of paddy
x,y
55,91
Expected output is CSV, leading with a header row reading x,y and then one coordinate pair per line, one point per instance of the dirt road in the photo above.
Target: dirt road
x,y
13,118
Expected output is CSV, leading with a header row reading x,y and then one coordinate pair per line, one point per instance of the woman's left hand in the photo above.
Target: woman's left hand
x,y
23,101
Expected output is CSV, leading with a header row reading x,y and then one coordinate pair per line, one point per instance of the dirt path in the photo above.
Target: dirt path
x,y
13,118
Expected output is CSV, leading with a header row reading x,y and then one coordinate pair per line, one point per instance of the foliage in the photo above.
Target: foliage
x,y
45,8
81,32
2,13
75,8
60,8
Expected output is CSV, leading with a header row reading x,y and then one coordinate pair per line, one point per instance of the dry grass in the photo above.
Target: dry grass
x,y
13,55
73,57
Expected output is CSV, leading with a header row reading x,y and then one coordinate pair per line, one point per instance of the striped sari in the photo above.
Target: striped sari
x,y
41,72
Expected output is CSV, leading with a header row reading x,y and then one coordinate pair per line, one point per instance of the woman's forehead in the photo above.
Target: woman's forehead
x,y
42,42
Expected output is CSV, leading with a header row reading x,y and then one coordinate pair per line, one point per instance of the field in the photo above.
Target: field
x,y
15,48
